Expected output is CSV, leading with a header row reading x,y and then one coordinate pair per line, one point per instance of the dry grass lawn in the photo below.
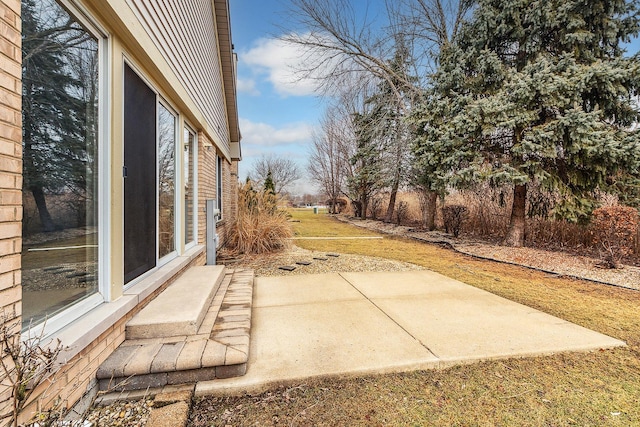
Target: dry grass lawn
x,y
582,389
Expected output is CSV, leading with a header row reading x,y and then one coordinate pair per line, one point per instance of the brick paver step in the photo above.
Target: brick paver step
x,y
218,349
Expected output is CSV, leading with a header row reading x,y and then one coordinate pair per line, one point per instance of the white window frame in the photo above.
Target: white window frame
x,y
58,321
194,159
160,99
160,261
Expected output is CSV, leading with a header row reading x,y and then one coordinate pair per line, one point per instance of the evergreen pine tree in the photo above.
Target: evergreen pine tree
x,y
536,91
53,109
366,163
269,185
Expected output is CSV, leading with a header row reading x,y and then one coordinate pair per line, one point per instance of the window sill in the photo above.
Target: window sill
x,y
82,332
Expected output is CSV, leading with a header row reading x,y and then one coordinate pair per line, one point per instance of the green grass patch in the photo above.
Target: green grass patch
x,y
323,225
599,388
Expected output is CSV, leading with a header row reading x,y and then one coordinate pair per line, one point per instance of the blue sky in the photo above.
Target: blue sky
x,y
276,115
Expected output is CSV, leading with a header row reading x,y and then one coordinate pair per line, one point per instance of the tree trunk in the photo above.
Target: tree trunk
x,y
357,206
41,203
392,202
364,205
515,235
428,207
430,214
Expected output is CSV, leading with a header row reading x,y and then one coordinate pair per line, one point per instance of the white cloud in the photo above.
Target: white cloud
x,y
266,135
247,86
289,141
279,61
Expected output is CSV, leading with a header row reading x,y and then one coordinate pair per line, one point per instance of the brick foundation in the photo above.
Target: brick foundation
x,y
78,376
207,160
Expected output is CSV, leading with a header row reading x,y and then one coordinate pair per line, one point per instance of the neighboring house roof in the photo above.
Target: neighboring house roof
x,y
228,61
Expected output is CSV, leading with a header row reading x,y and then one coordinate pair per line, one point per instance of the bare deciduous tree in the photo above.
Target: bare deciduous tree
x,y
327,162
345,52
339,47
283,171
342,48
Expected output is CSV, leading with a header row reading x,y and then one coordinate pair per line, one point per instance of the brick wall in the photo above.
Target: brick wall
x,y
10,172
233,190
229,199
206,182
207,159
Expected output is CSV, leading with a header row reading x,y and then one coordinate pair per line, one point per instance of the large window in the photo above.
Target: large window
x,y
60,77
166,180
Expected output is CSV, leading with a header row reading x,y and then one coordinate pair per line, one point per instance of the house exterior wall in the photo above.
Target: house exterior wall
x,y
207,175
184,33
10,174
146,35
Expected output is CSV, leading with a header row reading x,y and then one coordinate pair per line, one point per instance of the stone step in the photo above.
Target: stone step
x,y
218,349
179,309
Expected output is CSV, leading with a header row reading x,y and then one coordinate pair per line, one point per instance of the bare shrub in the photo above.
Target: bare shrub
x,y
260,227
379,203
25,364
558,234
488,212
411,213
402,212
454,216
615,229
414,211
375,206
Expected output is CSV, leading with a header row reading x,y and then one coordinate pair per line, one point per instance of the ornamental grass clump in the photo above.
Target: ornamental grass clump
x,y
260,226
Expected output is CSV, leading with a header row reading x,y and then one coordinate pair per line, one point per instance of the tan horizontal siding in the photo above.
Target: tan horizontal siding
x,y
185,33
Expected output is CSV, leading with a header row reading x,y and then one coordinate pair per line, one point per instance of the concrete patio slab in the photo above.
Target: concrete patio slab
x,y
347,324
313,335
460,322
407,284
302,289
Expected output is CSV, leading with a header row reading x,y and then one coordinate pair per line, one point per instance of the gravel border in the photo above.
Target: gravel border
x,y
557,263
320,262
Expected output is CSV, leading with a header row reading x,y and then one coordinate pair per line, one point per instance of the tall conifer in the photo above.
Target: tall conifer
x,y
536,91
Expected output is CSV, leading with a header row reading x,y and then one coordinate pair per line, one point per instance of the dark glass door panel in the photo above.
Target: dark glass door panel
x,y
140,176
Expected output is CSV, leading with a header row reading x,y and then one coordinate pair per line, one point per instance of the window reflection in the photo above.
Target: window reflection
x,y
60,169
166,175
